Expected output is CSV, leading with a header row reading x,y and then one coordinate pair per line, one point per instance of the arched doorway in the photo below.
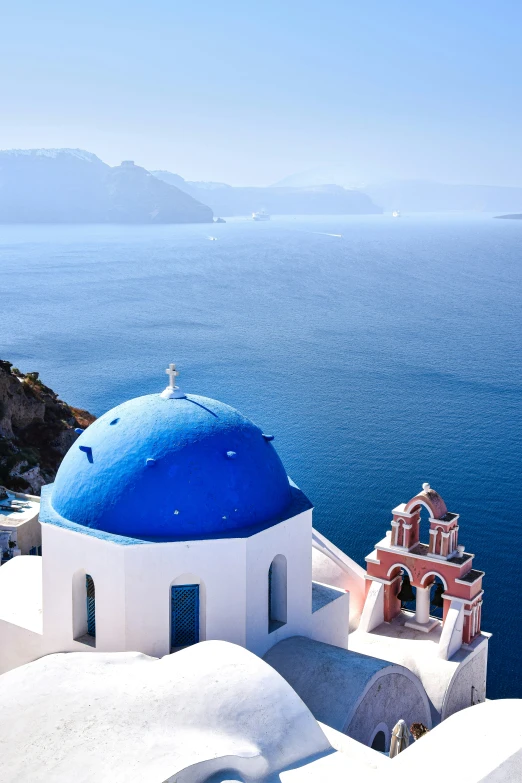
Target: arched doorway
x,y
380,738
379,742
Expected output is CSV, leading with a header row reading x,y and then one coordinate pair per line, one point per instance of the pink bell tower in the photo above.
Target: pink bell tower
x,y
402,552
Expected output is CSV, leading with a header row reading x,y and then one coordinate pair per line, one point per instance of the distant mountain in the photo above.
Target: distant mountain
x,y
322,175
414,195
75,186
136,196
420,196
305,179
320,200
51,186
187,186
509,217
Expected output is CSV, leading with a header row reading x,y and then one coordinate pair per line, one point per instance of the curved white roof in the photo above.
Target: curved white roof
x,y
127,717
115,717
333,681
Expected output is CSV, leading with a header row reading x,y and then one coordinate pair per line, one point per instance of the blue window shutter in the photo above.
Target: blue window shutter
x,y
91,605
184,615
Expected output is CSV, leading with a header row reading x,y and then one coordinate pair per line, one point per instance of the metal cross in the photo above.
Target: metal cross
x,y
172,373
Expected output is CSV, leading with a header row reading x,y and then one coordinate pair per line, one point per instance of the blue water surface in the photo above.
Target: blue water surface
x,y
379,359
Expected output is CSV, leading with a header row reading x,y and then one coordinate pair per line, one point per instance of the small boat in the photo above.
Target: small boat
x,y
396,213
261,215
213,239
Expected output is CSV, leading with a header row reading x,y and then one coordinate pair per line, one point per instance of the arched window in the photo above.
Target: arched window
x,y
184,615
83,608
91,605
277,593
407,593
436,601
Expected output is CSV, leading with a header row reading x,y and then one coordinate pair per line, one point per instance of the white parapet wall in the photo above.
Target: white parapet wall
x,y
451,636
332,566
21,636
330,615
373,612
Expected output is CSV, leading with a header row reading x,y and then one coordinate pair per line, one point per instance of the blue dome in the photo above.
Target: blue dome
x,y
171,468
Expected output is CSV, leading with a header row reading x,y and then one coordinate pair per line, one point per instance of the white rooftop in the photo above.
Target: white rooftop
x,y
17,509
129,718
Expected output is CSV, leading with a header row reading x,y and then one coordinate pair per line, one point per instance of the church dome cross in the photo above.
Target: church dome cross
x,y
172,392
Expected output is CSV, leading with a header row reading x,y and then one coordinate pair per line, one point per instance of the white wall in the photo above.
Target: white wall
x,y
66,554
291,538
391,696
330,622
28,535
132,585
373,611
331,566
21,638
19,646
470,674
218,566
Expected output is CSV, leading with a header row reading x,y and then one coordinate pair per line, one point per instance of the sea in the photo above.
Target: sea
x,y
380,352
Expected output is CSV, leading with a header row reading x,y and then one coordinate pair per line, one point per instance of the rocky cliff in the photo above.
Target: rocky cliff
x,y
36,430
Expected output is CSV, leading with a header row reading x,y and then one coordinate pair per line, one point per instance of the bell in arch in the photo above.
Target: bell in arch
x,y
406,593
437,599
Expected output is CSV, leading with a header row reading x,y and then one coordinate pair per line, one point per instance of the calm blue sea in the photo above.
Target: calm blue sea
x,y
380,359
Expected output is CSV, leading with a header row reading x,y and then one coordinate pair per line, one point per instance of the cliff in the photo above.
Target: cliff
x,y
74,186
317,200
36,430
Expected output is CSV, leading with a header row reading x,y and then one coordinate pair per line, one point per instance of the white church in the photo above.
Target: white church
x,y
212,634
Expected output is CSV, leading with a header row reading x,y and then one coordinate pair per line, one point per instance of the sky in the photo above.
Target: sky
x,y
249,93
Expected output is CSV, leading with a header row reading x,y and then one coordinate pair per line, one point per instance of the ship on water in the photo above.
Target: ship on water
x,y
261,215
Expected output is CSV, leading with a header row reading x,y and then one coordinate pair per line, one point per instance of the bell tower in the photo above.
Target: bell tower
x,y
401,562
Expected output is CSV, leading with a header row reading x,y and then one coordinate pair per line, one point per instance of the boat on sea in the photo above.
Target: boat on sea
x,y
396,213
261,215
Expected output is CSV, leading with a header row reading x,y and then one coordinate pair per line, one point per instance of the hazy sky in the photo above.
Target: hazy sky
x,y
249,92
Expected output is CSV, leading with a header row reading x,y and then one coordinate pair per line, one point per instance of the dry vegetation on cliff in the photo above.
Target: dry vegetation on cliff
x,y
36,430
